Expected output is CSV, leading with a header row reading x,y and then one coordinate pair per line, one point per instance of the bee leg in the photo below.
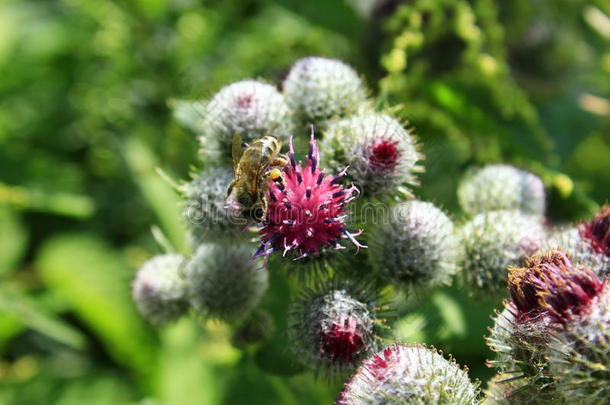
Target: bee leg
x,y
279,161
265,207
230,188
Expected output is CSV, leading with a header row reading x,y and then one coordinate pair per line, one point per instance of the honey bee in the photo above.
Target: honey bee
x,y
254,166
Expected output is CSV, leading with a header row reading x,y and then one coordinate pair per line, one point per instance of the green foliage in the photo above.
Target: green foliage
x,y
89,276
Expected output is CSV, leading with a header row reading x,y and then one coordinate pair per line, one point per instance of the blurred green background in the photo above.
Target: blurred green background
x,y
84,123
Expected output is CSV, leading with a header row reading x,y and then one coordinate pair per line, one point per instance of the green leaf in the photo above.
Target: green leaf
x,y
94,280
159,194
10,326
13,239
185,376
15,303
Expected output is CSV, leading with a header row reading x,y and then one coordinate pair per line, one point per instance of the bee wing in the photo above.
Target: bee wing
x,y
236,150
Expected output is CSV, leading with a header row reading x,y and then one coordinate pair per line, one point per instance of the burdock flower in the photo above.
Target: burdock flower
x,y
501,187
379,151
409,374
597,231
549,286
492,241
223,282
557,314
306,211
320,88
334,325
417,246
204,210
158,289
249,108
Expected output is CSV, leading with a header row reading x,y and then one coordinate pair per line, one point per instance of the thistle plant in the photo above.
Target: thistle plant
x,y
550,340
556,332
416,247
223,282
334,325
501,187
204,209
586,243
380,153
250,109
492,241
409,374
159,290
319,89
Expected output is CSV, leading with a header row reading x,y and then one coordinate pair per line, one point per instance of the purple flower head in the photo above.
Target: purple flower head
x,y
551,286
306,211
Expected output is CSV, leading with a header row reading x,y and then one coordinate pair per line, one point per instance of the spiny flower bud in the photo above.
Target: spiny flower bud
x,y
223,282
552,304
332,326
409,374
501,187
579,355
204,207
249,108
503,389
576,305
307,210
159,291
380,153
492,241
579,249
415,247
597,231
319,89
519,345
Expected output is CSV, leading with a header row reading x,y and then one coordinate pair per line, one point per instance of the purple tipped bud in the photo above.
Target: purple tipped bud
x,y
409,374
333,326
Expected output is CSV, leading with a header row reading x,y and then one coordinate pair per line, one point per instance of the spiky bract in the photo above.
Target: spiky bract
x,y
579,356
320,88
409,374
501,187
205,211
415,246
249,108
503,389
223,282
334,325
380,153
492,241
158,289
